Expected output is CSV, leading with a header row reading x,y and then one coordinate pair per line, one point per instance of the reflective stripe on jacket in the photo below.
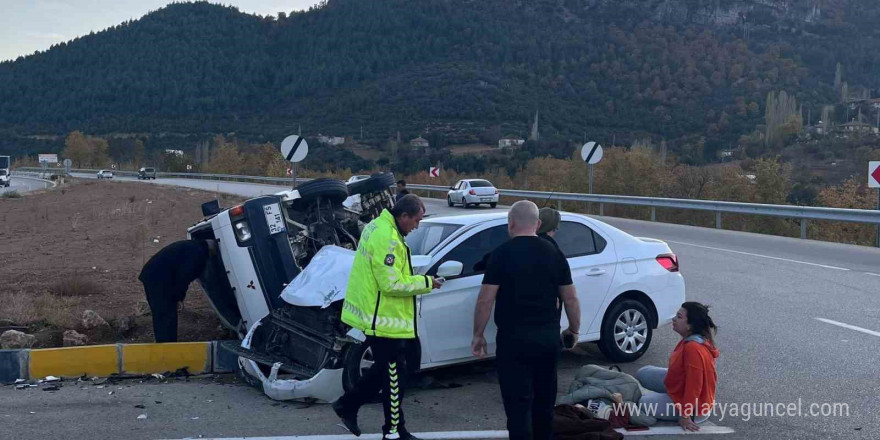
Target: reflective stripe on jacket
x,y
380,299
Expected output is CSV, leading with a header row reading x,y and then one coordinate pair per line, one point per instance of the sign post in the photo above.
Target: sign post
x,y
591,153
67,163
294,148
874,182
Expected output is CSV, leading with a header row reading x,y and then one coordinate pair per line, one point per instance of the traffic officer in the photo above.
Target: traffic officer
x,y
166,278
380,300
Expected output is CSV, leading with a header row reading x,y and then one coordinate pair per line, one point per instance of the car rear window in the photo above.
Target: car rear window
x,y
423,240
480,184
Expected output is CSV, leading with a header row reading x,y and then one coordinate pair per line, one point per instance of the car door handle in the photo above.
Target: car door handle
x,y
596,272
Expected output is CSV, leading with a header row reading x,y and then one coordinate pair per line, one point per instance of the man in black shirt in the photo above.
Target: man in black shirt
x,y
166,278
401,190
524,278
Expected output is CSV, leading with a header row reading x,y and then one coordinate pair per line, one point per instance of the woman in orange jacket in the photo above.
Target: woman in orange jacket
x,y
686,390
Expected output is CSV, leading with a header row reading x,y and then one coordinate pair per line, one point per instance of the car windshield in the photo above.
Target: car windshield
x,y
480,184
2,172
424,239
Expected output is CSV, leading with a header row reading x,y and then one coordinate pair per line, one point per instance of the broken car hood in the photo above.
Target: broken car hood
x,y
323,281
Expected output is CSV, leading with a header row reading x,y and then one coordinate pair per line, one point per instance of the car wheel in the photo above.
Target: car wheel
x,y
335,190
492,205
626,331
376,183
464,203
358,359
449,201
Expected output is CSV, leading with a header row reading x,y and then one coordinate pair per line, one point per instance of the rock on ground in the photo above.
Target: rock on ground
x,y
72,338
12,339
90,319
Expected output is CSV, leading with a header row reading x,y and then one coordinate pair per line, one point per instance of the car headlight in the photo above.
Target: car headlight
x,y
242,231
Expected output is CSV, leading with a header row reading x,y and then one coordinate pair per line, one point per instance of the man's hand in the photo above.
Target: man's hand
x,y
437,282
688,425
569,338
479,347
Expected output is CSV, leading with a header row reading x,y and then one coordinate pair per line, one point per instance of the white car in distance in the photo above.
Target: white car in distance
x,y
105,174
474,192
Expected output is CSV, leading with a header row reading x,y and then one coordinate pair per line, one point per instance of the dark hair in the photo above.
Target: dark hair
x,y
401,182
409,204
700,321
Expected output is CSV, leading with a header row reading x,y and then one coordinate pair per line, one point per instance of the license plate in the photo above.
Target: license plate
x,y
274,219
486,199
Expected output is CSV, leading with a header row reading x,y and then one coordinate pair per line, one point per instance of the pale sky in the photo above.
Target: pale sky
x,y
27,26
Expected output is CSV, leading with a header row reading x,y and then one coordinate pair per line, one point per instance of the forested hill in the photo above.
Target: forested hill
x,y
669,68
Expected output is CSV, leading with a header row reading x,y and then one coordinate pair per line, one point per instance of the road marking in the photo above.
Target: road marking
x,y
851,327
759,255
873,274
441,435
676,430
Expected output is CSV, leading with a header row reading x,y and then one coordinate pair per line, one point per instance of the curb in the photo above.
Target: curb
x,y
105,360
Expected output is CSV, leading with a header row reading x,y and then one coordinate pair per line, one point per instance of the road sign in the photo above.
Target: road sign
x,y
591,153
67,163
434,172
874,174
289,172
48,158
189,167
294,148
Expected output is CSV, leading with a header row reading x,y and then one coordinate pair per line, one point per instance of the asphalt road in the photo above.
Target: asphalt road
x,y
22,184
767,293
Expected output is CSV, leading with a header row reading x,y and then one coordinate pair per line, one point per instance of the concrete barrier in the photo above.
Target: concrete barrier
x,y
104,360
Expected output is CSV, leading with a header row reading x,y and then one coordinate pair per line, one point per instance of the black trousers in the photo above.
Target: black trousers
x,y
389,370
527,376
163,306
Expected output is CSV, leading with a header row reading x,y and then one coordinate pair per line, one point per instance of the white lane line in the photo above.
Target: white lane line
x,y
873,274
848,326
676,430
759,255
441,435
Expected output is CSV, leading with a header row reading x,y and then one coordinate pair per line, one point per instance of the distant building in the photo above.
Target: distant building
x,y
178,153
419,142
858,127
510,141
331,140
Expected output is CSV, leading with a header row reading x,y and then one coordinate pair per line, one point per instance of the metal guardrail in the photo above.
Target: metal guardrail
x,y
802,213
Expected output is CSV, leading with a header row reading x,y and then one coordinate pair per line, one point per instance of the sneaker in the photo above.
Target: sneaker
x,y
400,436
349,419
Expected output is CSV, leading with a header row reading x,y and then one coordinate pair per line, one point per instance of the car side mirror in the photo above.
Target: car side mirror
x,y
210,208
450,269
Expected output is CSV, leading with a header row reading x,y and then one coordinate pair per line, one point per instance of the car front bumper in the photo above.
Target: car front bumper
x,y
325,385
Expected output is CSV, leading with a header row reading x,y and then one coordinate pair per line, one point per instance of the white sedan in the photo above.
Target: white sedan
x,y
105,174
469,192
627,287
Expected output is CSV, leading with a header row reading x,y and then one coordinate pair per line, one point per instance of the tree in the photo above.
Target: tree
x,y
76,149
138,153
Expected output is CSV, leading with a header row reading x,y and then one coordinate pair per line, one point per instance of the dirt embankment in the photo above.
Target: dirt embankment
x,y
81,247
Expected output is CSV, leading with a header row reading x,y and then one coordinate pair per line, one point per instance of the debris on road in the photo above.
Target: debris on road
x,y
51,379
140,406
142,417
52,388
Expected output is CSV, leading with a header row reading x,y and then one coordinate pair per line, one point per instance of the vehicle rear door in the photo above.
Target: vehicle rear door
x,y
593,262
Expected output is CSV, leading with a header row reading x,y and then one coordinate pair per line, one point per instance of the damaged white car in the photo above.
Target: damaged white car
x,y
284,262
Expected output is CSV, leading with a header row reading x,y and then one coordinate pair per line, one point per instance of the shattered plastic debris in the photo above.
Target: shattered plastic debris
x,y
142,417
18,381
158,376
195,418
51,379
52,388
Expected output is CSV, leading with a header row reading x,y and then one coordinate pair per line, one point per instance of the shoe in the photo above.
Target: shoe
x,y
349,419
400,436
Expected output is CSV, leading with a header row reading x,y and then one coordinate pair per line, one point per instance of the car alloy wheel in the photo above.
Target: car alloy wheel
x,y
630,331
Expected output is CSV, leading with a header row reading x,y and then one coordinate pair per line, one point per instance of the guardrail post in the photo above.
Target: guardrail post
x,y
653,214
559,205
718,220
803,228
601,209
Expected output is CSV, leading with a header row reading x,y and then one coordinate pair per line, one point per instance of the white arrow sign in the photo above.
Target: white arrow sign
x,y
434,172
294,148
591,153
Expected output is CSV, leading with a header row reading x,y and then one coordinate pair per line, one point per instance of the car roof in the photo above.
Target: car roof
x,y
474,180
466,220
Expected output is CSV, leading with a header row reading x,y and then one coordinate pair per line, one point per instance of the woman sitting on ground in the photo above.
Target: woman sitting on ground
x,y
686,390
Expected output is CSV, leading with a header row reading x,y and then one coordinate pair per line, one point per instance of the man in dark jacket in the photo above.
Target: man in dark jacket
x,y
166,278
401,190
